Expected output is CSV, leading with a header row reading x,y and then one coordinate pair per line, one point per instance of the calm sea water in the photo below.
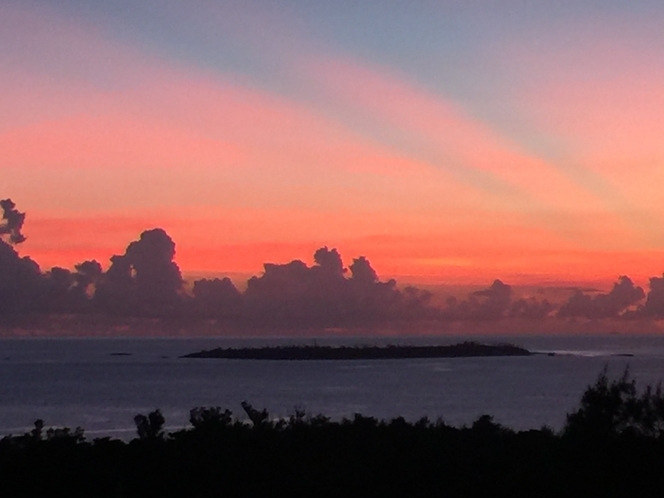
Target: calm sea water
x,y
101,384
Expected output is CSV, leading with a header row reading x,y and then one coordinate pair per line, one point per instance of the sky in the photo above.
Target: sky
x,y
450,142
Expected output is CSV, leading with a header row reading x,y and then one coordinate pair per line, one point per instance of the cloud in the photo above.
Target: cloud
x,y
20,283
322,295
13,222
194,129
622,296
58,296
531,308
489,304
144,280
216,298
88,275
463,144
654,305
494,304
593,93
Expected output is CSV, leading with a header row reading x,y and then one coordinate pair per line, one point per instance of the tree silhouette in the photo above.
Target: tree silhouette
x,y
150,427
612,408
210,419
258,418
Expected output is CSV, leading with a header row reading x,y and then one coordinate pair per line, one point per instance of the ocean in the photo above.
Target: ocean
x,y
101,384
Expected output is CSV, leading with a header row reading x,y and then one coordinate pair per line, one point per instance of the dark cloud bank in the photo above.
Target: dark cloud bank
x,y
146,283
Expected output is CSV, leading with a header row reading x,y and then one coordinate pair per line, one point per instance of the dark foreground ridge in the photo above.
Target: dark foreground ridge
x,y
611,445
462,350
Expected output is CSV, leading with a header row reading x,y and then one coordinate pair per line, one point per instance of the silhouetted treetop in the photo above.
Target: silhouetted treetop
x,y
613,408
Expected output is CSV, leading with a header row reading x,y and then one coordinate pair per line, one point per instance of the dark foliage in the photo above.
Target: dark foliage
x,y
615,408
150,426
210,419
612,446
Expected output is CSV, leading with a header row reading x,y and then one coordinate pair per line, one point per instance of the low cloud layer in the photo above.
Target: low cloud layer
x,y
145,281
654,306
495,303
623,296
327,293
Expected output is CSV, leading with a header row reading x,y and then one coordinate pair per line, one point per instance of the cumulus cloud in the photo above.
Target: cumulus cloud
x,y
531,308
362,273
216,298
490,303
58,283
69,292
144,280
88,273
495,303
654,305
323,295
13,222
329,262
20,282
623,295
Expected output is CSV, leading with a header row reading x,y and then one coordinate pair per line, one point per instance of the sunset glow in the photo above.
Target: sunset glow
x,y
449,142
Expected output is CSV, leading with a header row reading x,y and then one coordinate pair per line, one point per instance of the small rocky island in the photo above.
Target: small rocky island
x,y
462,350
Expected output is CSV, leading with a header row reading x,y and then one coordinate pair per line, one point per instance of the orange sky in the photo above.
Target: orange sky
x,y
454,155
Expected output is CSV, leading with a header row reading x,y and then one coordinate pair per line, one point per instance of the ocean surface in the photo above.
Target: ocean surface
x,y
101,384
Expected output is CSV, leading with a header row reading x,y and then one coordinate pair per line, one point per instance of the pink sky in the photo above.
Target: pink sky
x,y
483,152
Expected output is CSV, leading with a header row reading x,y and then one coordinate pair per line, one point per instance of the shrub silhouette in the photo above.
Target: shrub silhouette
x,y
616,408
258,418
485,426
36,433
360,455
150,427
65,434
210,418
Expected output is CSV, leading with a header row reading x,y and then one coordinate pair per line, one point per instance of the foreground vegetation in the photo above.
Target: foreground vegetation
x,y
612,445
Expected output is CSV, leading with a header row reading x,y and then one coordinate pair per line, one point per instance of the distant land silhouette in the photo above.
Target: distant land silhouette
x,y
465,349
144,285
